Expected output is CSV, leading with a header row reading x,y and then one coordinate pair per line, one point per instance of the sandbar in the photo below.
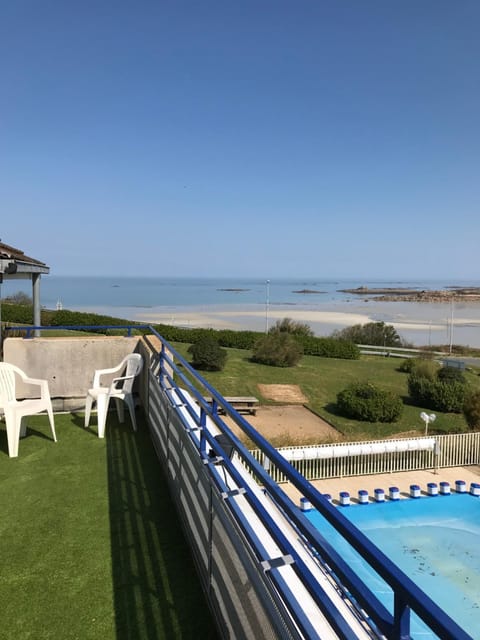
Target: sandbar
x,y
421,324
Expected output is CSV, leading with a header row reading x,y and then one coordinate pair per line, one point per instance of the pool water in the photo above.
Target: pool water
x,y
434,540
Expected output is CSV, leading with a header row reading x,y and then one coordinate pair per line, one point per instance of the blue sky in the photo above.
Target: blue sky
x,y
260,138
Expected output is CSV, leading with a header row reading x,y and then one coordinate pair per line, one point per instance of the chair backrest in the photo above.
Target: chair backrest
x,y
133,366
7,383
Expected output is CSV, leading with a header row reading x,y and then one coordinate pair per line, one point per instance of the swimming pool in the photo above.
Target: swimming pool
x,y
434,540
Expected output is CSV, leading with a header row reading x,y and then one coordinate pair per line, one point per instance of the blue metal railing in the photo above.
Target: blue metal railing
x,y
30,330
407,595
175,370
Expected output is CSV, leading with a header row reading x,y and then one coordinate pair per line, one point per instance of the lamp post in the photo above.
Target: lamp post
x,y
426,417
267,303
451,329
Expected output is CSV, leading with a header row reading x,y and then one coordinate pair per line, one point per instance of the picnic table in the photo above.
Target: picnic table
x,y
240,403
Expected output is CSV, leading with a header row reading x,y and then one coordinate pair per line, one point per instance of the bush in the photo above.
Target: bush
x,y
207,354
277,350
437,394
425,368
450,374
365,401
424,364
471,409
407,365
287,325
329,348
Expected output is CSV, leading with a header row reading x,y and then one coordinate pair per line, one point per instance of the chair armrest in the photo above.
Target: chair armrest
x,y
102,372
115,380
43,384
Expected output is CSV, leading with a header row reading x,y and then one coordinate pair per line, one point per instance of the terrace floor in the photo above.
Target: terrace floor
x,y
90,542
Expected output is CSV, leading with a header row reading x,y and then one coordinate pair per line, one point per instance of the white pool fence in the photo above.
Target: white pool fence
x,y
320,462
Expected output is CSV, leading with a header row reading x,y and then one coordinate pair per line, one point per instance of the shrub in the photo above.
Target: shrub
x,y
436,394
424,365
450,374
329,348
471,409
425,368
207,354
365,401
277,350
287,325
407,365
449,396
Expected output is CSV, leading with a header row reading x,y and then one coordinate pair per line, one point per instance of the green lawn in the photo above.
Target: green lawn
x,y
90,543
321,379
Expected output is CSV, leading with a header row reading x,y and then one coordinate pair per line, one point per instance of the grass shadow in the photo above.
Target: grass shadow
x,y
31,432
157,594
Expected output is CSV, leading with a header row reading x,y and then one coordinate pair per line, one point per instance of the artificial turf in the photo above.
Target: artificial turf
x,y
90,543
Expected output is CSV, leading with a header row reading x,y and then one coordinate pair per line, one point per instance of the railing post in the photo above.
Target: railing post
x,y
214,407
401,619
161,374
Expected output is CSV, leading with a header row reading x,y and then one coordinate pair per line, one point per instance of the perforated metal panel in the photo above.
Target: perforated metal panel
x,y
241,597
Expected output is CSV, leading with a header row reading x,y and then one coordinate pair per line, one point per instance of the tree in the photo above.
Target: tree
x,y
373,333
471,409
207,354
20,297
277,350
287,325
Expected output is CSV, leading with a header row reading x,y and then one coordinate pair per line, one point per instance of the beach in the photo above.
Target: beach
x,y
421,324
256,304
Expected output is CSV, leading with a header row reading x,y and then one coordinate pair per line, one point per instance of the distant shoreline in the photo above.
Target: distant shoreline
x,y
419,323
401,294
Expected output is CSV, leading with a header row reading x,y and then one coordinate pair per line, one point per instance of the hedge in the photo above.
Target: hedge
x,y
312,345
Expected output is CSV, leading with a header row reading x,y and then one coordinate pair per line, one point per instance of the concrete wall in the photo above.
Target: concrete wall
x,y
69,364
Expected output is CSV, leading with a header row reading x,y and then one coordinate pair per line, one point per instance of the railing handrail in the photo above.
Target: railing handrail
x,y
407,595
31,329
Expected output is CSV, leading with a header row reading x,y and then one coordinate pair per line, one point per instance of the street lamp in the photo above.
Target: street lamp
x,y
267,302
451,329
426,417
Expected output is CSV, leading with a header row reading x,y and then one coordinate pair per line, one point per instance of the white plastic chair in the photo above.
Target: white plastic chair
x,y
120,389
16,411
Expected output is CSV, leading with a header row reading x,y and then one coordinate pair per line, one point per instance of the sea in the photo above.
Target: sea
x,y
141,298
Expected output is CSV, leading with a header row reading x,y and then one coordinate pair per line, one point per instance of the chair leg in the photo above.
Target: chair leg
x,y
88,409
131,407
120,410
13,432
23,427
102,408
52,423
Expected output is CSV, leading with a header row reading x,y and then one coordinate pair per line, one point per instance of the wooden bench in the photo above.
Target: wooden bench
x,y
240,403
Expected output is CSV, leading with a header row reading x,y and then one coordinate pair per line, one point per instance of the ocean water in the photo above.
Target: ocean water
x,y
244,303
79,293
